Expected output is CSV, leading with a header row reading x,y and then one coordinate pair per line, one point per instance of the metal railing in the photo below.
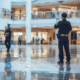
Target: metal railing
x,y
17,16
13,16
55,14
42,15
71,14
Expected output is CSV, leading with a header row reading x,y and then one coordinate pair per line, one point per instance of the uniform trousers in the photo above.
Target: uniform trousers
x,y
8,43
19,42
63,41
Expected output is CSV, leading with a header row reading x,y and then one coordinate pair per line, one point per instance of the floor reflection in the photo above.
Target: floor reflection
x,y
8,71
62,75
38,63
39,52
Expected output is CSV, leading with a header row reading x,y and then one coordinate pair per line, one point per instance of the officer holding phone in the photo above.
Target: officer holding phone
x,y
64,27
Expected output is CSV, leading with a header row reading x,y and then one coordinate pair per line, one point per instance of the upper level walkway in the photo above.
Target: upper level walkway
x,y
44,18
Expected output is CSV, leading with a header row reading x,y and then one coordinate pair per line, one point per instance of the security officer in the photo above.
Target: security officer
x,y
64,27
8,33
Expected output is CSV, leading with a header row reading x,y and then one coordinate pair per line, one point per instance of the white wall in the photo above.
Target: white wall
x,y
74,21
20,0
48,1
36,23
5,4
3,23
51,22
43,22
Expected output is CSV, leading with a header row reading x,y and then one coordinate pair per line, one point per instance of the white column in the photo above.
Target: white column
x,y
28,75
0,12
4,4
28,54
28,21
56,39
78,7
56,54
56,31
28,38
60,13
28,62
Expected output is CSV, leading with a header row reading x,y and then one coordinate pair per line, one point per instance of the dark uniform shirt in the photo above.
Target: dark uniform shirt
x,y
8,33
64,26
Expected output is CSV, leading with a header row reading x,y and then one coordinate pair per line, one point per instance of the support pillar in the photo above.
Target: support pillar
x,y
56,31
28,38
28,21
78,7
28,62
56,39
0,12
28,75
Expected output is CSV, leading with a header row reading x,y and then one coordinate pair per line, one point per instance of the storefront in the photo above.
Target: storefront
x,y
2,37
46,33
75,36
19,32
16,33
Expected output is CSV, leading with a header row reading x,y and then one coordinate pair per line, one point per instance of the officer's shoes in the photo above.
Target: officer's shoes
x,y
68,62
7,50
60,62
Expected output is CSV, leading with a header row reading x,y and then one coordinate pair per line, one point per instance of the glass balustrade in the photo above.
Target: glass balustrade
x,y
14,16
42,15
72,13
18,16
55,14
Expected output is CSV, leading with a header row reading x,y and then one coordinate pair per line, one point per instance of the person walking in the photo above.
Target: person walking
x,y
50,40
0,40
33,40
42,40
19,40
37,39
12,40
64,27
8,33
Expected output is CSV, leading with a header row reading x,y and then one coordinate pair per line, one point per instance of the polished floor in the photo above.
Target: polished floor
x,y
35,62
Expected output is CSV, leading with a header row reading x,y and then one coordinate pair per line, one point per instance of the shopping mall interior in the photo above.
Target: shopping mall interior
x,y
29,59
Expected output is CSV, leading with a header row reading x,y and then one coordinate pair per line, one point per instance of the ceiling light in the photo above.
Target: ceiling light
x,y
34,26
39,3
47,3
60,1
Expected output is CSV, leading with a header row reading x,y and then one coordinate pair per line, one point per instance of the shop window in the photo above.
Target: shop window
x,y
73,37
53,36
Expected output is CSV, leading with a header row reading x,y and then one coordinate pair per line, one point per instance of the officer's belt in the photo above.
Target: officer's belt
x,y
7,33
64,35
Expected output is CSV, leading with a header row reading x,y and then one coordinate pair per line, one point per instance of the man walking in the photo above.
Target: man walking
x,y
64,27
19,40
37,39
8,33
